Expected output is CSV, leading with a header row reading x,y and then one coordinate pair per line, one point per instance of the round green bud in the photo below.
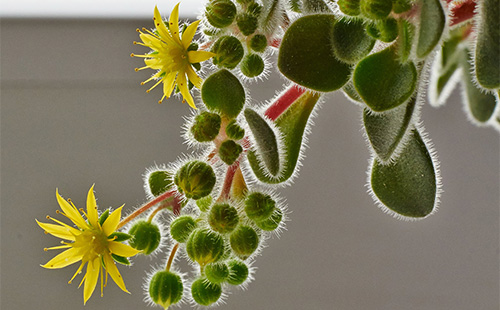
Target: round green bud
x,y
384,30
238,272
204,203
223,218
206,126
160,182
146,237
165,288
349,7
229,151
255,9
247,23
244,241
252,65
220,13
204,292
229,52
217,273
234,131
195,179
401,6
205,246
181,228
258,43
222,92
259,206
375,9
272,222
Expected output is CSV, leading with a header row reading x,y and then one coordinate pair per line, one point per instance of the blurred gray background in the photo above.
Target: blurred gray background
x,y
73,114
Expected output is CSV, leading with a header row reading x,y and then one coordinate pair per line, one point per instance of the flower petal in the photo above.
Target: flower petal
x,y
160,25
169,83
183,87
199,56
193,77
92,208
93,268
121,249
71,212
112,221
63,232
63,259
173,23
113,271
188,34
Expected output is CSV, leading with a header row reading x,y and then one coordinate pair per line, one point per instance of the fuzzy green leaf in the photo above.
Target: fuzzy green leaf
x,y
383,82
292,124
350,41
222,92
306,55
408,187
432,22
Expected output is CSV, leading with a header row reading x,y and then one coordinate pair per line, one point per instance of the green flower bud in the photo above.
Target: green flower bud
x,y
244,241
349,7
206,126
165,288
229,151
145,236
220,13
401,6
234,131
258,43
217,273
222,92
223,218
181,228
272,222
375,9
255,9
252,65
229,52
238,272
204,203
204,292
205,246
195,179
247,23
259,206
384,30
160,182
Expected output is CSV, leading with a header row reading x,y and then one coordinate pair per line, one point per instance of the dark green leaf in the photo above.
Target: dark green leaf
x,y
432,21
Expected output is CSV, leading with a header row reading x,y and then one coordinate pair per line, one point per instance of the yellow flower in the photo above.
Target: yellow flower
x,y
90,242
170,55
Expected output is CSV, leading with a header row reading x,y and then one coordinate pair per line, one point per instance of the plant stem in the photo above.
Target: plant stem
x,y
228,181
171,257
284,101
146,207
462,11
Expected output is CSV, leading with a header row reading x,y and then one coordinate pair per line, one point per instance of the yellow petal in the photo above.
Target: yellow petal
x,y
121,249
153,63
173,23
71,212
193,77
63,232
151,41
188,34
93,268
92,208
112,221
169,84
160,25
63,259
199,56
113,271
183,87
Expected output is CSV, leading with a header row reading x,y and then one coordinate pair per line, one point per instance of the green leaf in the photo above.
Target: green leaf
x,y
351,92
103,217
306,56
119,236
266,141
315,6
160,182
120,259
271,14
292,124
480,104
431,25
408,187
386,130
383,82
222,92
487,58
350,41
406,32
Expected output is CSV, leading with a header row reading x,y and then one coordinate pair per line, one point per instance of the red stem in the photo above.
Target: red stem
x,y
462,11
146,207
226,188
284,101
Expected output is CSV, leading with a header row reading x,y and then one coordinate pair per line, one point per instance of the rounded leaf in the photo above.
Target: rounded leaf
x,y
222,92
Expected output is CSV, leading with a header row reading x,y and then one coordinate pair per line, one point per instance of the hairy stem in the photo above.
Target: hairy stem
x,y
146,207
171,257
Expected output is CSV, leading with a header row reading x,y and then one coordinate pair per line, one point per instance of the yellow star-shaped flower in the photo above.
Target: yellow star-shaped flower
x,y
91,242
171,56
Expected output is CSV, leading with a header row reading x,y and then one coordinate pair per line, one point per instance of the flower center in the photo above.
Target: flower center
x,y
92,243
